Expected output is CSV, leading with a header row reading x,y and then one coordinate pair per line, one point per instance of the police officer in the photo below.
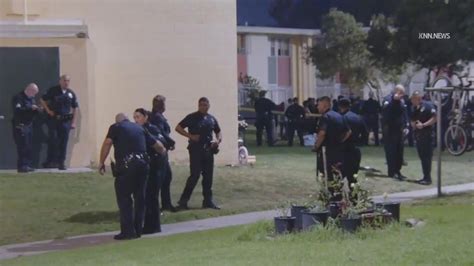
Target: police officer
x,y
333,131
263,109
157,163
394,127
423,117
352,154
158,119
295,115
24,110
130,143
60,102
201,148
370,112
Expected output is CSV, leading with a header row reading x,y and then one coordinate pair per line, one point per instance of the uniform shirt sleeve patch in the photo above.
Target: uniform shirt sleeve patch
x,y
69,95
385,103
18,105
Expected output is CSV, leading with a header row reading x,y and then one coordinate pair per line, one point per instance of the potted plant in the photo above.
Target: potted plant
x,y
284,223
297,209
316,215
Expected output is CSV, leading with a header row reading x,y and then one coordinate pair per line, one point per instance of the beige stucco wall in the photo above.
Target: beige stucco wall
x,y
183,49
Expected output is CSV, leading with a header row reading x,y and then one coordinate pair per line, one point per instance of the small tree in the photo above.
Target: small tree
x,y
252,87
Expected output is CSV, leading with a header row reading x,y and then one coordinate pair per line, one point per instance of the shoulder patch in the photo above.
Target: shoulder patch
x,y
18,105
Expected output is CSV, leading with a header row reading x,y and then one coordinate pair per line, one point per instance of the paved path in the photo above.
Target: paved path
x,y
28,249
53,170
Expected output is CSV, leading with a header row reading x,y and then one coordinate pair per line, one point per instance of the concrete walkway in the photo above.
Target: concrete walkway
x,y
52,170
33,248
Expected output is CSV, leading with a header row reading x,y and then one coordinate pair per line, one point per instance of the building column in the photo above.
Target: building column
x,y
294,66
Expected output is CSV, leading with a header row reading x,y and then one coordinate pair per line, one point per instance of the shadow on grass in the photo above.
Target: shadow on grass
x,y
94,217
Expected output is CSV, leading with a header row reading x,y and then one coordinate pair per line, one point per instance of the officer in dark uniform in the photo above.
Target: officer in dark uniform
x,y
24,110
352,154
295,115
130,143
333,131
201,148
155,174
370,112
263,110
60,102
394,127
158,119
423,117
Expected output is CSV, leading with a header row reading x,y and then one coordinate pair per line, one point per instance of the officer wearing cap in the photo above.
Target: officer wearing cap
x,y
60,103
394,127
158,119
130,143
332,131
201,149
370,112
295,115
423,117
352,154
263,110
24,110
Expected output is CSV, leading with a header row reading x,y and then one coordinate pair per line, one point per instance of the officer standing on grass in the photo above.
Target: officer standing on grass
x,y
423,117
201,149
333,131
60,102
352,154
394,127
263,110
24,110
158,119
295,115
130,143
370,112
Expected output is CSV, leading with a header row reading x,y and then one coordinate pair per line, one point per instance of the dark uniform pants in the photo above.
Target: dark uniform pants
x,y
131,181
264,122
334,158
23,137
292,126
372,122
424,146
393,146
152,222
352,158
58,137
166,185
201,161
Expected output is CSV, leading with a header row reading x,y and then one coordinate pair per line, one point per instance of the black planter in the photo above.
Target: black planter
x,y
296,211
351,225
334,209
284,225
311,219
391,207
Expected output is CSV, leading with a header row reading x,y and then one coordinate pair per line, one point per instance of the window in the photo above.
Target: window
x,y
240,44
279,47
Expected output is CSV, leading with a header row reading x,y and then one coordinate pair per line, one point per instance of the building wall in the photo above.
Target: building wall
x,y
137,49
258,51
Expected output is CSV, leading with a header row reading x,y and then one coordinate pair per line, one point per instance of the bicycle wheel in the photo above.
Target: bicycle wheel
x,y
456,140
243,155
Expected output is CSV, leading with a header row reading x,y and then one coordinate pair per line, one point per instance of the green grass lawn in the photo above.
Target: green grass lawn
x,y
446,239
46,206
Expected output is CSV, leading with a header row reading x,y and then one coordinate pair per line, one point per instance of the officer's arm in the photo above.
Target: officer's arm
x,y
182,131
321,137
430,122
104,153
347,135
159,147
219,137
74,114
46,107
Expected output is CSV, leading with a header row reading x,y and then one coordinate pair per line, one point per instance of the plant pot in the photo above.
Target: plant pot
x,y
296,211
391,207
351,225
311,219
334,209
284,225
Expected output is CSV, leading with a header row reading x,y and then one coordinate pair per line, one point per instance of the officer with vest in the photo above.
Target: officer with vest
x,y
200,128
60,103
423,117
332,131
158,119
295,115
352,154
24,110
263,110
130,142
394,127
